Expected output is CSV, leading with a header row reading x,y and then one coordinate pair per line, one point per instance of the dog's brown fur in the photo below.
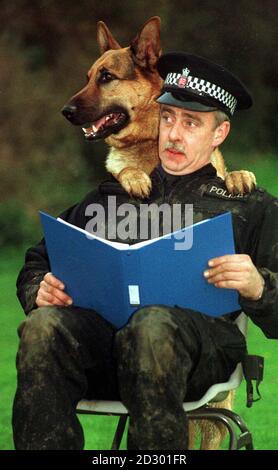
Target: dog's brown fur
x,y
133,148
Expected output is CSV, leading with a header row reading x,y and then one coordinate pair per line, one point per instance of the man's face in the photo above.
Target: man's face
x,y
187,139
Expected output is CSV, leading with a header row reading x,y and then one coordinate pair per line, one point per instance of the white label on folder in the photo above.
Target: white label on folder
x,y
134,298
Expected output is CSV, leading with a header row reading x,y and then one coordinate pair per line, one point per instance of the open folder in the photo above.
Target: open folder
x,y
115,279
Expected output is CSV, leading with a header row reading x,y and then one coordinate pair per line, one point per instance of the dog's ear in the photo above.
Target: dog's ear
x,y
105,39
145,47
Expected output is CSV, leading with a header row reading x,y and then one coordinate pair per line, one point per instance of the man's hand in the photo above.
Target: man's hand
x,y
236,272
51,292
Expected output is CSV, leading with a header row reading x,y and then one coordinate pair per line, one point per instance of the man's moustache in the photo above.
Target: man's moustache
x,y
176,147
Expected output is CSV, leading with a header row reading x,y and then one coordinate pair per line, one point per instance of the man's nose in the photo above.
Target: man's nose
x,y
175,133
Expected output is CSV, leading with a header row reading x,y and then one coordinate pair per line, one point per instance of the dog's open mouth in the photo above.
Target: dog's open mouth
x,y
108,124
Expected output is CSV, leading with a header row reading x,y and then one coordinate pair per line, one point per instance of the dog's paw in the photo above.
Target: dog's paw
x,y
240,181
135,181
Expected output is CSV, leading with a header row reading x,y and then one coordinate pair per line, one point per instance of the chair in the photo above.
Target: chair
x,y
239,435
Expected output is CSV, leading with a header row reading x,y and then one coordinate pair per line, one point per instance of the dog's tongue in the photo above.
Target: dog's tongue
x,y
96,125
106,121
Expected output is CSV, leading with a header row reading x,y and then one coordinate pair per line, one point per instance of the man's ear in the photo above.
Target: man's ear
x,y
221,133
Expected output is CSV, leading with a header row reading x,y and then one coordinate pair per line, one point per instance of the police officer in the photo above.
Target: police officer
x,y
164,355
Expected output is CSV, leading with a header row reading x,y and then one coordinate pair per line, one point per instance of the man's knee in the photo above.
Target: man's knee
x,y
39,323
150,335
159,315
155,322
38,331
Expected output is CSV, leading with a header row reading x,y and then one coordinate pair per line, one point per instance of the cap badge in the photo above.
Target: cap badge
x,y
183,78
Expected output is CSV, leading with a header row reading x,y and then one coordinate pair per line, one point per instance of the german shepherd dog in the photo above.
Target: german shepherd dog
x,y
118,105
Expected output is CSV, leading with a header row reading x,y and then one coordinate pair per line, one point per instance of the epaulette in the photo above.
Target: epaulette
x,y
216,190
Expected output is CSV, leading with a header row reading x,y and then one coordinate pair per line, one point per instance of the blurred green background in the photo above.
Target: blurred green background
x,y
46,48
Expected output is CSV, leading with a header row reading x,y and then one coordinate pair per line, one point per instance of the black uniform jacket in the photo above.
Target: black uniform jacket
x,y
255,222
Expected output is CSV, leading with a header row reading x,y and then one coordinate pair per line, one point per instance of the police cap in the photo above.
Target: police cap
x,y
195,83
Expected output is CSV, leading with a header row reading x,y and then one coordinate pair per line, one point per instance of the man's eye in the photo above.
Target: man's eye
x,y
190,124
166,117
106,77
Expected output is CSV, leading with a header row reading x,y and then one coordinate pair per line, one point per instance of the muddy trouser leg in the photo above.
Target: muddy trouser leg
x,y
166,355
64,353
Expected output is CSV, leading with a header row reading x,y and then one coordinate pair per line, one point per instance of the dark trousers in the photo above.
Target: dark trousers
x,y
160,358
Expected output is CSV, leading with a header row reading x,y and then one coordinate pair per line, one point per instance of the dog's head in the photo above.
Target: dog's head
x,y
121,85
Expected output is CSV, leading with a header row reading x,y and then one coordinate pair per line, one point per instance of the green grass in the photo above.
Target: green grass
x,y
265,168
262,418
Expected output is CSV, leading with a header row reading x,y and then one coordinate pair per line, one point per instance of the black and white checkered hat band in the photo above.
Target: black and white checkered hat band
x,y
202,87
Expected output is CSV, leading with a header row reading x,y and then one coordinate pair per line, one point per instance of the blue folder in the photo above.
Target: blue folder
x,y
116,282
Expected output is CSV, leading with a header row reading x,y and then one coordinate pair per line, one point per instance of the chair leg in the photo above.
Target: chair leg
x,y
119,432
230,420
245,439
